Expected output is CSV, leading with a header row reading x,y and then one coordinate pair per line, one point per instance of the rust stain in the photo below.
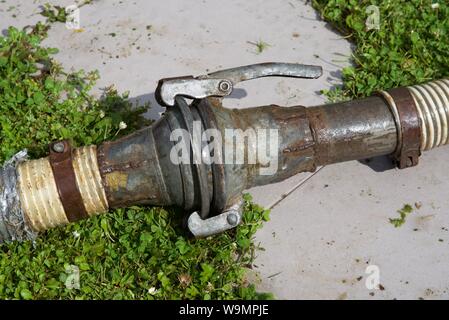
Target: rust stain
x,y
116,180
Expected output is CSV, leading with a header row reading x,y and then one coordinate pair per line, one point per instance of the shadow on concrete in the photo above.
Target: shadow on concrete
x,y
155,111
237,93
379,164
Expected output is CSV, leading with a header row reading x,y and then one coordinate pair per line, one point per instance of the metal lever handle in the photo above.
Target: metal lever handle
x,y
268,69
221,83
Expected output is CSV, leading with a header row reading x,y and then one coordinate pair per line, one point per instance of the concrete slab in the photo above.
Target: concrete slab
x,y
323,236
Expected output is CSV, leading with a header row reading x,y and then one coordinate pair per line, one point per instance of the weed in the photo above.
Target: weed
x,y
410,46
260,46
403,213
54,13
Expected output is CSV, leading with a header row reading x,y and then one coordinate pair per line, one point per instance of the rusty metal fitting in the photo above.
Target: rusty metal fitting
x,y
61,159
408,126
421,113
61,188
137,169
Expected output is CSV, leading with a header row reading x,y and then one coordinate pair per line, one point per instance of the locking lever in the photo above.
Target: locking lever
x,y
221,83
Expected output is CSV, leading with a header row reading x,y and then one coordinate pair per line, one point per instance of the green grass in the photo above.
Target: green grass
x,y
410,47
137,253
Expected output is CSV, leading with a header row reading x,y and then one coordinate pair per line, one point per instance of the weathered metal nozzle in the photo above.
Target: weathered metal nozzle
x,y
141,168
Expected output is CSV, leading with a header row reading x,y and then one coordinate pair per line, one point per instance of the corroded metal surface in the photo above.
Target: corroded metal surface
x,y
137,169
352,130
130,170
218,175
200,168
409,127
295,152
65,179
307,137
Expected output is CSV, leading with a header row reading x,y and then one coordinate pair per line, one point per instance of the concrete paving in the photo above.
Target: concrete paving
x,y
326,228
322,238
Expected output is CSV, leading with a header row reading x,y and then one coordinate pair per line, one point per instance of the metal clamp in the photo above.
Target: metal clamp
x,y
61,163
171,91
229,219
408,126
221,83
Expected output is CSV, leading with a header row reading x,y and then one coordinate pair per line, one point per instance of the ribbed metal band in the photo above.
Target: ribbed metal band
x,y
432,100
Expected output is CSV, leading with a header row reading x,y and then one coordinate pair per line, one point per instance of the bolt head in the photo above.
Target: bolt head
x,y
232,219
224,86
59,147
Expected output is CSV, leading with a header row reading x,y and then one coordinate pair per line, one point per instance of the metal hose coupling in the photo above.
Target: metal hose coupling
x,y
40,194
62,188
432,102
166,164
421,114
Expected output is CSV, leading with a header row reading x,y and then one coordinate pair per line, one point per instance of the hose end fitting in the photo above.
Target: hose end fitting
x,y
421,113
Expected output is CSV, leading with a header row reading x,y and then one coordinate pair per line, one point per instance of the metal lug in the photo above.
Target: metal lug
x,y
229,219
